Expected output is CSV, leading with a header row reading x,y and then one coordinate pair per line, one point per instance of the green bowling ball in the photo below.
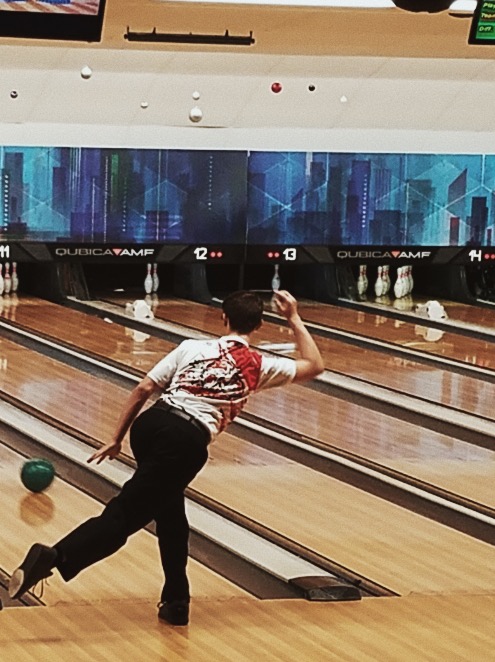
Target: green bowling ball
x,y
37,474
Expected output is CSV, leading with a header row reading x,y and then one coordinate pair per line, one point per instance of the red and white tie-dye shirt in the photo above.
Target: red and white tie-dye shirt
x,y
212,379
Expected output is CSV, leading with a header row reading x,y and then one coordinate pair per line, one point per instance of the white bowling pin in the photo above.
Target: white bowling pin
x,y
148,281
405,289
379,283
156,280
7,280
361,280
276,280
365,277
404,282
1,280
15,277
386,278
398,284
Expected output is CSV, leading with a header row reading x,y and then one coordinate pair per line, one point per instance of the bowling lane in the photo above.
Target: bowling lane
x,y
133,574
137,349
395,547
401,374
370,325
453,465
404,551
482,316
448,463
404,334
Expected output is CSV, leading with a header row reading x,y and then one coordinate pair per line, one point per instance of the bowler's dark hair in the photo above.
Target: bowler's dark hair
x,y
244,311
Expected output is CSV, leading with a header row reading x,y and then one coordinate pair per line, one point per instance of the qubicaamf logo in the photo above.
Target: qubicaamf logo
x,y
380,255
104,252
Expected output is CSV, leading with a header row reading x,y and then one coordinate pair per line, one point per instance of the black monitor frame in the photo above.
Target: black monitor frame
x,y
64,27
482,6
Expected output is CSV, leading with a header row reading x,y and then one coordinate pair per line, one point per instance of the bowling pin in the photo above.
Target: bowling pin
x,y
7,280
379,283
148,281
365,279
398,284
15,277
276,280
1,280
411,280
362,281
156,280
403,282
406,281
386,278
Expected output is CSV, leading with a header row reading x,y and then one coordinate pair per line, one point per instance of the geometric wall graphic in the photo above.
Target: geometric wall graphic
x,y
370,199
123,195
213,196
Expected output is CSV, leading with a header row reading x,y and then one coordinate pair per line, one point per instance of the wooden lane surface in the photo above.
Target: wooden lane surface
x,y
405,334
133,574
414,629
441,386
395,547
370,325
451,464
482,316
403,374
378,539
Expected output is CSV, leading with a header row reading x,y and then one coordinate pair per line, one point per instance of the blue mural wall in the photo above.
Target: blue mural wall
x,y
371,199
199,196
123,195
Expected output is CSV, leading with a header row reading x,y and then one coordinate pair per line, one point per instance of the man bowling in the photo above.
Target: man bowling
x,y
203,385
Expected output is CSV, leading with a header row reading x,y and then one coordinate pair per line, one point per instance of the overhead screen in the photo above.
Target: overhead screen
x,y
483,24
232,201
66,20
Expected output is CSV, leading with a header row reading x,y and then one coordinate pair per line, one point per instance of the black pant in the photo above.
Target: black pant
x,y
169,452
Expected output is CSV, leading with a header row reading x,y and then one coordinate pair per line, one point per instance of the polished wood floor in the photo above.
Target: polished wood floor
x,y
240,474
396,372
397,548
472,314
419,628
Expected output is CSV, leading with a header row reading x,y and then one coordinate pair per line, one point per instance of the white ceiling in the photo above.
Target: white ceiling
x,y
398,70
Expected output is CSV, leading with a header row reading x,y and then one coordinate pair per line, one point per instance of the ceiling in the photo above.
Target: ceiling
x,y
291,30
397,69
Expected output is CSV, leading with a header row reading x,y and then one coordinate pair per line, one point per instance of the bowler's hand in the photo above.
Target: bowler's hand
x,y
109,450
286,304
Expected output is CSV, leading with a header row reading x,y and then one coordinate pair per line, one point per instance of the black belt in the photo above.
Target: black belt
x,y
187,417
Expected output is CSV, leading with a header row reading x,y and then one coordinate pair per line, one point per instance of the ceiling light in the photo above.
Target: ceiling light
x,y
463,5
